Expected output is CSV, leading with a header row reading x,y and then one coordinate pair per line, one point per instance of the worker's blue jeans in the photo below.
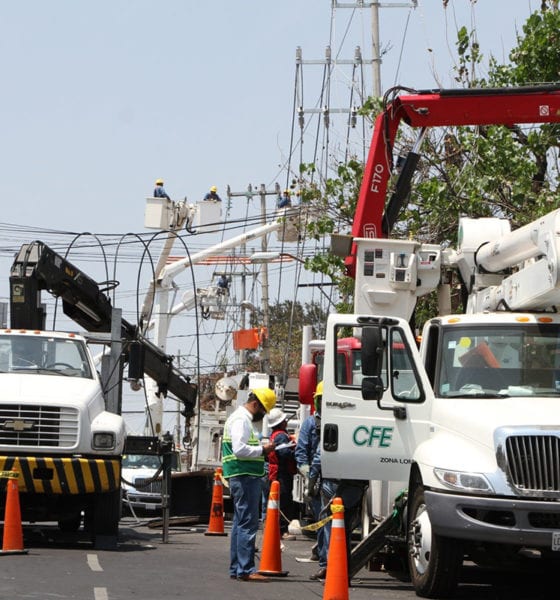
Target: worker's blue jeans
x,y
246,495
351,495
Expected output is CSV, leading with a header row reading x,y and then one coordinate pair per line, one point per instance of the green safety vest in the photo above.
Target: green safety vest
x,y
233,465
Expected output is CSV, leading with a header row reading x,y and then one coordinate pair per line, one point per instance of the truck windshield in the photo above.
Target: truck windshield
x,y
512,360
44,355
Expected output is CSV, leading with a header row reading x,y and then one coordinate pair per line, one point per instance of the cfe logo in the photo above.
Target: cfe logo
x,y
373,436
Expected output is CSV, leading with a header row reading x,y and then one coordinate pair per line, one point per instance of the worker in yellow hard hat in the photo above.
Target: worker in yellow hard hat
x,y
307,449
159,191
213,194
243,466
284,200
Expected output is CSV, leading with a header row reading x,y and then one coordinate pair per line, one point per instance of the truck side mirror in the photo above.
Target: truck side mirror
x,y
372,351
307,383
372,388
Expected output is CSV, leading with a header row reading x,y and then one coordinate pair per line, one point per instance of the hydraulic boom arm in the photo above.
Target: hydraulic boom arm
x,y
434,108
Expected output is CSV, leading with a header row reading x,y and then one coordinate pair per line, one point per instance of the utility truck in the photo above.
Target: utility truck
x,y
61,427
466,423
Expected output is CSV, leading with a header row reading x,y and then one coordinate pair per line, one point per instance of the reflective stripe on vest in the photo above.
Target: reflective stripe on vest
x,y
233,465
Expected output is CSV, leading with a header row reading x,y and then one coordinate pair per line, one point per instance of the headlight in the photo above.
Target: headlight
x,y
103,441
466,482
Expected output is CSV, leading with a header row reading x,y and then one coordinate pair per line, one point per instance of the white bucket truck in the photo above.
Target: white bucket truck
x,y
466,420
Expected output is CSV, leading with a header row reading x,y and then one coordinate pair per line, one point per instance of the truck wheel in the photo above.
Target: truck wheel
x,y
105,519
70,523
434,561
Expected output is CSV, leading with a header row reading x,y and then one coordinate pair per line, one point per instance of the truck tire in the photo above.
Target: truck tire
x,y
434,561
70,523
105,519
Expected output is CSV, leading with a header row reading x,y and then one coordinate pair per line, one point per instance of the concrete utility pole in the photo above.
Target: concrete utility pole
x,y
262,192
375,46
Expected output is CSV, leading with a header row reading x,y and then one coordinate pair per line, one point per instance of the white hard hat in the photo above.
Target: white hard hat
x,y
275,417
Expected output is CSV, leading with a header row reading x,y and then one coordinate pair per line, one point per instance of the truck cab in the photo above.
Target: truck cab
x,y
467,424
56,433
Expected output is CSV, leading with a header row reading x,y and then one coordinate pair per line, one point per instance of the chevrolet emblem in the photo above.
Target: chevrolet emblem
x,y
17,425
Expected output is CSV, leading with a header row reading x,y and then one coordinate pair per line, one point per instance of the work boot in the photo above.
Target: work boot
x,y
314,554
320,575
253,577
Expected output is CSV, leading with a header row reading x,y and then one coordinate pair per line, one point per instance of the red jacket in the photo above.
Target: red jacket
x,y
282,460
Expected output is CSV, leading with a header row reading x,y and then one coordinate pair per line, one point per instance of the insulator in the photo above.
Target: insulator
x,y
301,119
326,116
358,55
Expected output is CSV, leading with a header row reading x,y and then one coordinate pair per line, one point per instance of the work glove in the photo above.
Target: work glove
x,y
313,486
304,470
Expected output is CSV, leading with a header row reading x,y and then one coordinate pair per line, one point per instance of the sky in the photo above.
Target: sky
x,y
101,98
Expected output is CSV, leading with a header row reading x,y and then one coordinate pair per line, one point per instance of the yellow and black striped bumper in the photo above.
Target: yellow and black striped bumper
x,y
46,475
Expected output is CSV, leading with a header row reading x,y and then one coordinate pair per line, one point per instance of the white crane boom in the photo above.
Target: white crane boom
x,y
156,301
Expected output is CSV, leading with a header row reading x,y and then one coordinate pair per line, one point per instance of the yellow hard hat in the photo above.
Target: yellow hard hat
x,y
266,397
213,189
286,191
318,396
319,390
159,181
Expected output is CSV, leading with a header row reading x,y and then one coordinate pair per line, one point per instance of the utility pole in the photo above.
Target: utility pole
x,y
262,192
375,49
178,412
326,110
375,54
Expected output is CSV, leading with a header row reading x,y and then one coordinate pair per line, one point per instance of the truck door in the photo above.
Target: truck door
x,y
371,425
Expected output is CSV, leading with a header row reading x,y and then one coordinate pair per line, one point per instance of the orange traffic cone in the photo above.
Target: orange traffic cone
x,y
216,522
271,555
13,531
336,581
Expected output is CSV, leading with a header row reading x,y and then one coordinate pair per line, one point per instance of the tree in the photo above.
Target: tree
x,y
286,320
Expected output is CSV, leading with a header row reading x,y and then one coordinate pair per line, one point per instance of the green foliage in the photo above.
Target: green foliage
x,y
286,320
469,56
535,58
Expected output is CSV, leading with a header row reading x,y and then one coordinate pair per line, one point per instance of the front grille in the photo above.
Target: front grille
x,y
534,462
36,425
145,484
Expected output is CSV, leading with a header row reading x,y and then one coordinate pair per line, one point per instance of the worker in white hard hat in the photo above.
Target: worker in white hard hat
x,y
213,195
282,467
159,191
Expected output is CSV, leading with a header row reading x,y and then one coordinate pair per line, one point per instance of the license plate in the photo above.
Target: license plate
x,y
556,541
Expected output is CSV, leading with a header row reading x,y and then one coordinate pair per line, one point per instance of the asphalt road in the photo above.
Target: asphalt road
x,y
192,565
